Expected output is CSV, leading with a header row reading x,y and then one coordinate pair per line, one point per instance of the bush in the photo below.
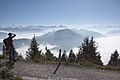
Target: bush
x,y
5,72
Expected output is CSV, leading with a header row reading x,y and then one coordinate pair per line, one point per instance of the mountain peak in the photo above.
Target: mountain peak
x,y
65,31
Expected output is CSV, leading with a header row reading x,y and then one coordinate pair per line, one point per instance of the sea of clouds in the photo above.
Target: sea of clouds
x,y
106,44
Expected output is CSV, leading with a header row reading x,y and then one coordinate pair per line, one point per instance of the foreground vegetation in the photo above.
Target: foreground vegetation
x,y
5,71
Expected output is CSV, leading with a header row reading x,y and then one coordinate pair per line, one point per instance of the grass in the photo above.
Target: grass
x,y
79,64
103,67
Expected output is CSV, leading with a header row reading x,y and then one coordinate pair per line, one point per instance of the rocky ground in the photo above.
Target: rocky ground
x,y
35,71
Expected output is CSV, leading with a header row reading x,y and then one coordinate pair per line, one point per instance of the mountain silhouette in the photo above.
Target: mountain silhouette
x,y
64,39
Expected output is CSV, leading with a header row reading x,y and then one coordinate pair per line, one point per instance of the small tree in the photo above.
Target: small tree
x,y
79,55
72,56
64,56
33,51
88,51
43,56
119,62
48,55
114,59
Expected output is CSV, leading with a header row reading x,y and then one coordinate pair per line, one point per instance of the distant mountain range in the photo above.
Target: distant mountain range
x,y
28,31
105,29
105,26
29,28
114,32
87,33
67,38
64,38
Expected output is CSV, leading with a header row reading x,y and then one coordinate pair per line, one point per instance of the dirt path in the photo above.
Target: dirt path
x,y
34,71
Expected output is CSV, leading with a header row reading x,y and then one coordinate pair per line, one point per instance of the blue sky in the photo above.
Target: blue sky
x,y
59,12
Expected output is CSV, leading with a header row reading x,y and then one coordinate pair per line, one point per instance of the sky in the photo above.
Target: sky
x,y
59,12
